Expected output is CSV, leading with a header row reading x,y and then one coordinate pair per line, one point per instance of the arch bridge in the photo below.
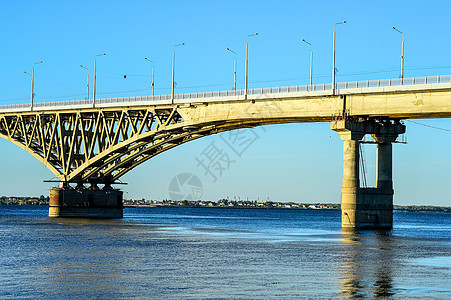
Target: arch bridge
x,y
85,143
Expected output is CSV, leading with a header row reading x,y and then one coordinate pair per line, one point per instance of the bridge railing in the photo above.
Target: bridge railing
x,y
394,82
233,93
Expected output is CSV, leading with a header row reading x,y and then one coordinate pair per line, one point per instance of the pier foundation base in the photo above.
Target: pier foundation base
x,y
85,203
367,208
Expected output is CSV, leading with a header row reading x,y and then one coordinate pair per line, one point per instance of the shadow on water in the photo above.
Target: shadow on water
x,y
85,221
367,264
86,259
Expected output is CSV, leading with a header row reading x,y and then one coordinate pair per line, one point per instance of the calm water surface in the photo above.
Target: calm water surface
x,y
203,253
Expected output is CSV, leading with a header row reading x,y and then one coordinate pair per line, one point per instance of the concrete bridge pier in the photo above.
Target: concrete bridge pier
x,y
367,208
81,202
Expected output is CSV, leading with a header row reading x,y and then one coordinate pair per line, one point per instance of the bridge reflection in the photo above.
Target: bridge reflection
x,y
368,264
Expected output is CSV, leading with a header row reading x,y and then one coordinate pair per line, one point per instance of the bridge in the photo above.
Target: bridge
x,y
87,144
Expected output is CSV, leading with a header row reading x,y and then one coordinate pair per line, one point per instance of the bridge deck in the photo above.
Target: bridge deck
x,y
371,97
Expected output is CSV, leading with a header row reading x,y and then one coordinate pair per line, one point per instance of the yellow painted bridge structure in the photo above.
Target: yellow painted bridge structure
x,y
85,142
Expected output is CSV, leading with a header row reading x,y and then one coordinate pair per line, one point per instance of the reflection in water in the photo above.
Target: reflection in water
x,y
351,269
367,261
384,284
75,270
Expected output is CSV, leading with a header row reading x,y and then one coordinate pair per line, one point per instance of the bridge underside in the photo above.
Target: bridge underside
x,y
89,147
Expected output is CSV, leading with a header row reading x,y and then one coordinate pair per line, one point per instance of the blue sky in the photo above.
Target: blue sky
x,y
296,162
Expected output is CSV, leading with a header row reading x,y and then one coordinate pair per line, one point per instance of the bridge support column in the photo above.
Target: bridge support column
x,y
367,208
85,203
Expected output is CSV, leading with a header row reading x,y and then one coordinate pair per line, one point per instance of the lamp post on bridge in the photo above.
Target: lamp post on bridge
x,y
311,61
234,71
245,82
173,71
87,84
402,52
95,75
32,84
153,75
333,60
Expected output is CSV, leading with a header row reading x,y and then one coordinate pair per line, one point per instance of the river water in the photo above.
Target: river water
x,y
211,253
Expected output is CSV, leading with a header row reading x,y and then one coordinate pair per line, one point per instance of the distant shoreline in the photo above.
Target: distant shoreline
x,y
399,208
231,207
223,203
409,209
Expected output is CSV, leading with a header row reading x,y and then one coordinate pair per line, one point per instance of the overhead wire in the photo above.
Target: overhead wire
x,y
430,126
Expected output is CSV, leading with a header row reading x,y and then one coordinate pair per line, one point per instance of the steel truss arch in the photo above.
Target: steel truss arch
x,y
102,145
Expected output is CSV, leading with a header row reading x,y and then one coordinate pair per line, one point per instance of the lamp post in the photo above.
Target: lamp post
x,y
95,75
234,71
245,82
173,70
333,60
32,84
153,75
402,52
31,105
87,84
311,61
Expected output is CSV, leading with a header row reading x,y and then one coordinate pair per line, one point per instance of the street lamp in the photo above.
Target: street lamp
x,y
333,60
402,52
311,61
87,95
32,83
234,72
31,106
95,75
153,75
173,70
245,82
